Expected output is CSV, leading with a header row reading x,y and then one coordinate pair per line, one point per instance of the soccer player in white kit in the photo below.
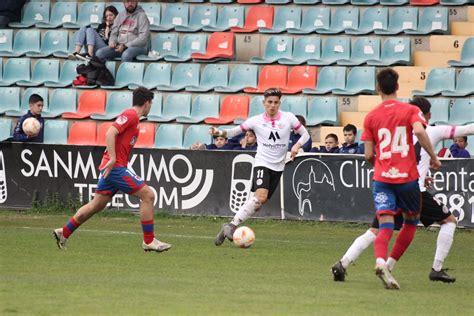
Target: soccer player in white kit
x,y
272,128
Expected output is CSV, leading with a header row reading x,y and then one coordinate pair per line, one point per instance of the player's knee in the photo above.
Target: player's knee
x,y
146,195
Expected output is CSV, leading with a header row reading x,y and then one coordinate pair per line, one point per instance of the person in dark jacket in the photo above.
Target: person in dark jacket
x,y
219,143
10,11
458,149
350,146
36,107
294,137
331,145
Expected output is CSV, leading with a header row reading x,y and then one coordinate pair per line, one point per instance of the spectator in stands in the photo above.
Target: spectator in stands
x,y
36,107
130,34
294,137
95,39
350,146
220,143
331,145
248,142
457,150
10,11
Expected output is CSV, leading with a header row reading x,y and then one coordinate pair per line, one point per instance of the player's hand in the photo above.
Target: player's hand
x,y
428,182
213,131
294,151
108,167
435,163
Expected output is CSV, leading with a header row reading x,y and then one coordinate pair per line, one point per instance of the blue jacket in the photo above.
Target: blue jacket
x,y
322,149
458,152
351,149
294,138
214,147
20,136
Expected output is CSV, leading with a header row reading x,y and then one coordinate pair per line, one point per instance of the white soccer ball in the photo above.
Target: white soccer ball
x,y
31,126
244,237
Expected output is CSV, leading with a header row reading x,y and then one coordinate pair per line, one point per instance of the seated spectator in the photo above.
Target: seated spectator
x,y
331,145
92,38
350,146
130,34
294,137
10,11
457,150
248,142
220,143
36,107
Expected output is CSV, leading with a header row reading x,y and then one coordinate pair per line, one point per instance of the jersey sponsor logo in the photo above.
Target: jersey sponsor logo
x,y
241,181
122,119
274,136
394,173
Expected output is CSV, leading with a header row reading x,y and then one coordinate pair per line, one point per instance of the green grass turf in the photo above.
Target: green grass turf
x,y
286,272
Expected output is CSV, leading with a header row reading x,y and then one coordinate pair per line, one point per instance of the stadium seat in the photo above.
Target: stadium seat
x,y
343,18
146,135
432,20
372,19
219,47
424,2
117,102
294,104
299,78
25,104
153,12
334,48
155,74
5,128
9,99
439,111
335,2
393,2
205,15
221,1
66,76
249,1
462,112
464,84
467,55
360,80
197,134
102,129
194,1
157,105
176,105
175,14
257,17
6,42
285,18
55,132
255,108
44,70
329,78
400,20
230,16
169,136
271,76
162,45
61,100
26,41
242,76
313,18
322,110
191,43
364,49
89,13
439,79
184,75
128,73
277,1
71,47
53,42
276,47
62,12
455,2
110,65
395,51
212,76
364,2
89,102
15,69
32,13
203,106
233,107
82,133
304,49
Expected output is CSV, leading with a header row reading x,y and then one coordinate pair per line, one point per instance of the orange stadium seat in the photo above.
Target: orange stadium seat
x,y
220,46
92,101
424,2
101,130
270,77
82,133
249,1
233,107
146,138
261,16
301,77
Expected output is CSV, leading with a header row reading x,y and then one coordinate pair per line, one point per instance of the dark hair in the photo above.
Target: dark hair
x,y
142,95
35,98
463,137
350,128
387,80
251,131
217,136
272,92
301,119
422,103
332,136
110,8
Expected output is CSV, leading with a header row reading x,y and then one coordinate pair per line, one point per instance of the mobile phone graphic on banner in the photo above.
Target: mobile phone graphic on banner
x,y
242,175
3,180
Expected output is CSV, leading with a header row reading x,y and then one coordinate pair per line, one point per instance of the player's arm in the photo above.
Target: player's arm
x,y
369,151
465,130
303,132
228,133
110,137
423,139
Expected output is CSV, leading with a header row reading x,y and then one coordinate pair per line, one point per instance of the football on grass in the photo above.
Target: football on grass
x,y
31,126
244,237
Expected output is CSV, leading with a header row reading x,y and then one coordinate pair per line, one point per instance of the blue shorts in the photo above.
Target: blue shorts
x,y
391,198
122,179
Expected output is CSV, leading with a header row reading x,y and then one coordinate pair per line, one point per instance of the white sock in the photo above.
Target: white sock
x,y
391,263
246,211
380,262
443,245
358,246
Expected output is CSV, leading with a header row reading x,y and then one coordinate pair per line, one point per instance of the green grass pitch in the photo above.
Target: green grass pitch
x,y
286,272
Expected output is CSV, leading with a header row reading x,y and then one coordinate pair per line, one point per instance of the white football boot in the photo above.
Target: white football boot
x,y
60,239
156,245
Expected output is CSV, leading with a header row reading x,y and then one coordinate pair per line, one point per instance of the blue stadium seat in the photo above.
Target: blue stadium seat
x,y
439,111
117,102
360,80
61,101
255,108
467,55
15,69
464,85
364,2
334,48
304,49
276,47
432,20
128,73
277,1
9,99
5,128
241,76
393,2
455,2
175,105
169,136
372,19
395,51
295,104
184,75
203,106
162,45
62,12
24,104
230,16
26,41
155,74
6,42
329,78
44,70
364,49
191,43
213,75
89,13
439,79
196,134
32,13
335,2
200,17
54,41
343,18
71,47
313,18
175,14
66,76
221,1
462,112
401,20
306,1
322,110
55,131
157,105
153,12
285,18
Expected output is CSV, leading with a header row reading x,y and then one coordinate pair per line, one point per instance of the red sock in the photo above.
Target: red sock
x,y
148,231
70,227
381,242
404,239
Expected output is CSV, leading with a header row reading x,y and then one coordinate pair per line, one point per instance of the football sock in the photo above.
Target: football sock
x,y
443,244
391,263
358,246
382,240
70,227
404,239
148,231
246,211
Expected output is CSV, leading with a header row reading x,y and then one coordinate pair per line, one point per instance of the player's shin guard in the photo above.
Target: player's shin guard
x,y
404,239
246,211
70,227
443,244
382,240
148,231
358,246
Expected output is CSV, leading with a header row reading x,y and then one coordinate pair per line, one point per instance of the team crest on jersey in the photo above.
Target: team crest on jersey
x,y
381,198
133,141
122,119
